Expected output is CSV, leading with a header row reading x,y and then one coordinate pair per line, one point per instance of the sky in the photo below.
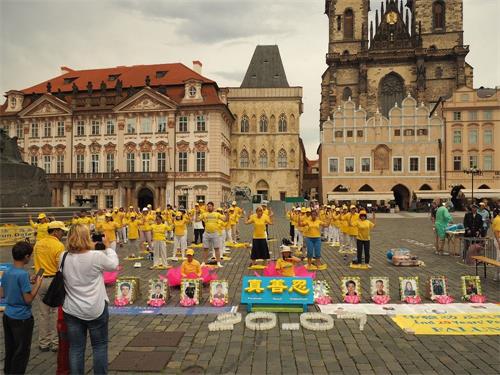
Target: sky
x,y
38,37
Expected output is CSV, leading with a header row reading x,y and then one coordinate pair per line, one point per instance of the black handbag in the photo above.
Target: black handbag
x,y
56,293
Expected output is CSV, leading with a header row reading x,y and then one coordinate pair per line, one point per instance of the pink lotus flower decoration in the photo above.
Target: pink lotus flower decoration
x,y
478,298
443,299
156,302
381,300
413,300
121,302
188,302
351,299
323,300
218,302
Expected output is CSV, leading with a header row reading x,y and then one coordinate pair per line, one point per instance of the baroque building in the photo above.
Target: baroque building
x,y
383,78
266,154
473,141
129,135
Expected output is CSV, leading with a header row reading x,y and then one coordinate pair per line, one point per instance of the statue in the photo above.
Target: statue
x,y
21,184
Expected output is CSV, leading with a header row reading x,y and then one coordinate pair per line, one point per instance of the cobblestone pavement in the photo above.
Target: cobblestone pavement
x,y
382,348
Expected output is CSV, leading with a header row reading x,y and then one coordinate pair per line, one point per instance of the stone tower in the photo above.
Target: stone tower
x,y
414,48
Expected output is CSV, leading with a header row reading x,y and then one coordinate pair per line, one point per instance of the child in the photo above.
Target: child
x,y
285,264
17,319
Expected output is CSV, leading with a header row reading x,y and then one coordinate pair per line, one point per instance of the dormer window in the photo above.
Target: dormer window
x,y
113,77
69,80
161,74
13,102
192,91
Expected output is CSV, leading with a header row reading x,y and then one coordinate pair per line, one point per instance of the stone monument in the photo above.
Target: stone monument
x,y
21,184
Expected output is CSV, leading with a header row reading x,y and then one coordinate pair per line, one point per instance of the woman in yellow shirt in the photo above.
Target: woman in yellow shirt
x,y
312,235
344,226
495,227
108,228
190,265
133,234
285,264
260,250
159,230
41,226
352,229
180,222
364,228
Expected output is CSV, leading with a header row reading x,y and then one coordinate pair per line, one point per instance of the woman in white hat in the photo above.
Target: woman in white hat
x,y
285,264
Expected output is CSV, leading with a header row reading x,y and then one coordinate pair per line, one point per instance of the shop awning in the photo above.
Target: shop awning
x,y
432,194
482,193
361,196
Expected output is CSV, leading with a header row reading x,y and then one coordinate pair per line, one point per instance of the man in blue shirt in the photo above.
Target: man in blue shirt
x,y
17,318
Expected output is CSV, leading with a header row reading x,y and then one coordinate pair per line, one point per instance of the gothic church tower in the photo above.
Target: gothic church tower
x,y
415,48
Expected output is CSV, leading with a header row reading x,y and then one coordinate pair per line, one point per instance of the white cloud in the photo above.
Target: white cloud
x,y
40,36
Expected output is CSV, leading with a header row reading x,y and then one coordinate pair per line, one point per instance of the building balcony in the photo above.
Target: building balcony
x,y
104,177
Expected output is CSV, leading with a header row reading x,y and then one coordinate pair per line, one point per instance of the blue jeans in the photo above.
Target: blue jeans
x,y
313,247
77,337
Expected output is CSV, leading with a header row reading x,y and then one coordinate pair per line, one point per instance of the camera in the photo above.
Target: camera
x,y
97,237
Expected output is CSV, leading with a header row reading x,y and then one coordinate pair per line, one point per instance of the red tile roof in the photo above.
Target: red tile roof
x,y
134,76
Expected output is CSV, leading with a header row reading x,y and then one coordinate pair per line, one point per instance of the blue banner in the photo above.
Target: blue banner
x,y
277,290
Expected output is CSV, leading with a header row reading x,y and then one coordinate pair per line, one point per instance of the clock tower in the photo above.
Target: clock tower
x,y
413,48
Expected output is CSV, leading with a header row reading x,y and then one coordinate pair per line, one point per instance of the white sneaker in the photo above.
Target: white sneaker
x,y
219,265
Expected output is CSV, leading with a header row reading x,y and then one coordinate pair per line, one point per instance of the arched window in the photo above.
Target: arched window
x,y
282,159
348,24
263,124
245,125
391,91
346,94
282,123
263,159
438,15
244,160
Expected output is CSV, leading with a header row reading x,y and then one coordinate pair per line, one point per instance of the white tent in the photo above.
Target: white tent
x,y
482,193
360,196
432,194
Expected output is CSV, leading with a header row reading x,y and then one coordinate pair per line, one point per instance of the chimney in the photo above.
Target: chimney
x,y
65,69
197,66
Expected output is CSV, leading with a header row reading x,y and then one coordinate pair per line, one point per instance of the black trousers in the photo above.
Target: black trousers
x,y
18,335
198,235
292,232
363,246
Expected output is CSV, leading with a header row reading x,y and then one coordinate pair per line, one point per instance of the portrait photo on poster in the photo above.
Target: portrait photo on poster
x,y
125,291
350,286
158,289
190,288
321,289
408,286
219,289
379,286
470,285
438,286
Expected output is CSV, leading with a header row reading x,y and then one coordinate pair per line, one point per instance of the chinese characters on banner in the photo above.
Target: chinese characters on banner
x,y
277,290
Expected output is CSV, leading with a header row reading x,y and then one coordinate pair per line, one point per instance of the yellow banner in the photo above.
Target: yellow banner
x,y
450,324
9,235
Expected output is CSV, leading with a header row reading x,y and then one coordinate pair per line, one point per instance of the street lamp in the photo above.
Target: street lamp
x,y
473,172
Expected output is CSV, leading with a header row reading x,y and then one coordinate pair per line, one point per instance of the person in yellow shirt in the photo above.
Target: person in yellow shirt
x,y
260,249
190,265
312,235
133,235
344,226
211,239
179,223
335,224
46,255
159,230
41,226
352,229
239,213
495,227
197,225
285,264
364,228
108,228
145,228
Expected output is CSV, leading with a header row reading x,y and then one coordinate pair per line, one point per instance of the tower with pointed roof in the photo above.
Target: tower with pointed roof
x,y
266,154
377,56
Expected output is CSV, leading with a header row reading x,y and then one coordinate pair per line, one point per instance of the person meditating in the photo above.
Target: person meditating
x,y
190,265
285,264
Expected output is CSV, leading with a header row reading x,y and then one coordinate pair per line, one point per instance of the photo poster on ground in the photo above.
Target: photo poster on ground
x,y
408,286
350,286
219,289
321,289
158,289
438,286
379,286
125,291
470,285
191,288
